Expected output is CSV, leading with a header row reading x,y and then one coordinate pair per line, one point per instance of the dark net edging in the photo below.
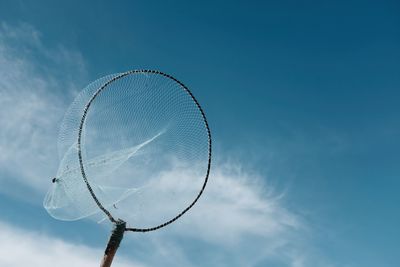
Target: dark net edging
x,y
85,111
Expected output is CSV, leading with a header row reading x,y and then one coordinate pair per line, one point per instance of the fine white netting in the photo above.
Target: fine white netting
x,y
145,150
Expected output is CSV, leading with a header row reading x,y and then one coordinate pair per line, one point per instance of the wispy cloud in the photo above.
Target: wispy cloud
x,y
30,106
19,248
238,222
239,204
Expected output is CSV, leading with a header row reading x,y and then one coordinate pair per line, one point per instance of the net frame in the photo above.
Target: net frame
x,y
82,168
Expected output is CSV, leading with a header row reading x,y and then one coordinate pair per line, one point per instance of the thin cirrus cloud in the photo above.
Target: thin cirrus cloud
x,y
237,222
29,105
19,247
242,224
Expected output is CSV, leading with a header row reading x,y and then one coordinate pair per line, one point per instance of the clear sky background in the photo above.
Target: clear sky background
x,y
303,103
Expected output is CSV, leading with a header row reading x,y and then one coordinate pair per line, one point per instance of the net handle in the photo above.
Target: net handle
x,y
115,239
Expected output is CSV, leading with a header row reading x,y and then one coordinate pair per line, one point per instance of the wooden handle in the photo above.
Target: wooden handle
x,y
113,244
108,258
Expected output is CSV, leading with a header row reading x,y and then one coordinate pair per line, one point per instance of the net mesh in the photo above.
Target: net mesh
x,y
144,146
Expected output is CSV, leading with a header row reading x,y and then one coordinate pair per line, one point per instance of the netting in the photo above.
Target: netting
x,y
145,151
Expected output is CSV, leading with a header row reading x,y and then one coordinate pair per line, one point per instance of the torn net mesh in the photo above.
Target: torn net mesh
x,y
145,150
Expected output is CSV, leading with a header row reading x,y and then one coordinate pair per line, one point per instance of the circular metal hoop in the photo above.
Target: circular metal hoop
x,y
85,111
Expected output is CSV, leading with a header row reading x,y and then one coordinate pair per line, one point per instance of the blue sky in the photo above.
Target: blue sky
x,y
302,100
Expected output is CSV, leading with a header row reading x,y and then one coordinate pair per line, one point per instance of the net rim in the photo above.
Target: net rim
x,y
83,173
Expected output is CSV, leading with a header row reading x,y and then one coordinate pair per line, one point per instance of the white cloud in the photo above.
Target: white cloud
x,y
20,248
237,221
30,104
238,204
